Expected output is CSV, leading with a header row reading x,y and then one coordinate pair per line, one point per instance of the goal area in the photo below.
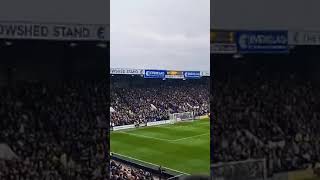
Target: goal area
x,y
185,116
252,169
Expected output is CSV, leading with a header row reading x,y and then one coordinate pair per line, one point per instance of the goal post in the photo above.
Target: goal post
x,y
185,116
252,169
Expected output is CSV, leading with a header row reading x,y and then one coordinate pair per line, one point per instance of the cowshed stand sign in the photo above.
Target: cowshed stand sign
x,y
51,31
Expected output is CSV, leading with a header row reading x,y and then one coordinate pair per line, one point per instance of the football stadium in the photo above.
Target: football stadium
x,y
265,106
160,127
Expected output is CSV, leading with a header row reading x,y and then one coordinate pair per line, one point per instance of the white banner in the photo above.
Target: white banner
x,y
203,117
174,76
76,32
117,128
126,71
155,123
304,38
205,73
223,48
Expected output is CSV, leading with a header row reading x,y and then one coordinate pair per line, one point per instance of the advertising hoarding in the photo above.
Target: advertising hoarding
x,y
304,38
49,31
262,41
126,71
192,74
155,74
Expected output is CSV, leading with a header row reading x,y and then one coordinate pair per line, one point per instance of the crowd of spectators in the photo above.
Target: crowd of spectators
x,y
140,104
144,103
276,119
56,130
119,171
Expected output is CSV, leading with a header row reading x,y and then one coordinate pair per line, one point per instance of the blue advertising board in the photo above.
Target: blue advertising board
x,y
192,74
262,41
156,74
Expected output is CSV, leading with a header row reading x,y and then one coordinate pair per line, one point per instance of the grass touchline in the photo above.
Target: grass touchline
x,y
180,147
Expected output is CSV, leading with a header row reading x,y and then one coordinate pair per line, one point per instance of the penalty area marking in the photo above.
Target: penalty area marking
x,y
190,137
160,139
183,173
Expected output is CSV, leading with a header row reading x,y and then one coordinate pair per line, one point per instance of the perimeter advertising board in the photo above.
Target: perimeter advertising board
x,y
55,20
262,41
126,71
223,42
171,74
304,38
48,31
174,75
205,73
155,74
192,74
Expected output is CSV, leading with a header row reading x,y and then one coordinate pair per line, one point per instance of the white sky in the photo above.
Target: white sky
x,y
160,34
265,14
57,11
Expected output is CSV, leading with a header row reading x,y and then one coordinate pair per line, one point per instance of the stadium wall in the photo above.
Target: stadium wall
x,y
265,14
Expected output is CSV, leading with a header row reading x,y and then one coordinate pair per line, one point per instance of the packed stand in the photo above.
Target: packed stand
x,y
155,103
274,119
119,171
55,131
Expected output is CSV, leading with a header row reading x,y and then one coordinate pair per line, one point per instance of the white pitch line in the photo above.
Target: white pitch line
x,y
150,163
190,137
160,139
143,136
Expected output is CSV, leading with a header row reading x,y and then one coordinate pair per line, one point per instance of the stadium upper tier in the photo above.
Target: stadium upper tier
x,y
138,100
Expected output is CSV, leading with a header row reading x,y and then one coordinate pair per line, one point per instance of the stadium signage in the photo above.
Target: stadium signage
x,y
223,48
126,71
155,123
225,37
175,75
262,41
157,74
205,73
117,128
223,42
27,30
192,74
304,38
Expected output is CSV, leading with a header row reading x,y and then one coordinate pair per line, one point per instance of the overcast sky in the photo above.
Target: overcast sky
x,y
160,34
57,11
265,14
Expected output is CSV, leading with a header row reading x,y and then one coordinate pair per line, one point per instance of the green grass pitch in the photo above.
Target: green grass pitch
x,y
306,174
184,147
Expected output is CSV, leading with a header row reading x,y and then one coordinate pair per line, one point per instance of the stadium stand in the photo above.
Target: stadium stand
x,y
121,171
267,106
136,100
53,111
153,100
55,130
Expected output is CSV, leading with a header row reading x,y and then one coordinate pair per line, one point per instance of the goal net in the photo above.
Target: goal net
x,y
254,169
175,117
